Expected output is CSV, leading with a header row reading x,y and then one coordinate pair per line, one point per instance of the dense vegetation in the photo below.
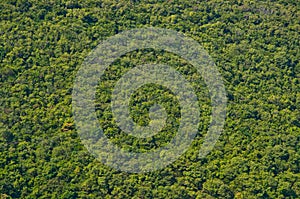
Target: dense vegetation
x,y
255,45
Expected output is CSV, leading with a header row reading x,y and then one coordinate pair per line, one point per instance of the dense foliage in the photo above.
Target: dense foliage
x,y
255,45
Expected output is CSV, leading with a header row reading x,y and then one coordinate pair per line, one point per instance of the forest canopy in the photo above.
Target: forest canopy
x,y
255,46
